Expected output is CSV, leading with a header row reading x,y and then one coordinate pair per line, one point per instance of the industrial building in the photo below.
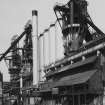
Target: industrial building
x,y
39,77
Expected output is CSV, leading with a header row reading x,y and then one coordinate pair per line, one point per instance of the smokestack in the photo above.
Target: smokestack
x,y
35,47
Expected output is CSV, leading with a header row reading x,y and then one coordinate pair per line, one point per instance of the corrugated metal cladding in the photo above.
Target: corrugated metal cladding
x,y
92,78
75,79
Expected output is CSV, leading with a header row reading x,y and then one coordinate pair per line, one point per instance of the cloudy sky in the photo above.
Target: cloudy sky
x,y
15,13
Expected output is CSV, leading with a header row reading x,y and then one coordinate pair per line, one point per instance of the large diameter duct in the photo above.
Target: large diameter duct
x,y
42,74
59,52
40,61
35,47
49,45
39,56
46,47
52,43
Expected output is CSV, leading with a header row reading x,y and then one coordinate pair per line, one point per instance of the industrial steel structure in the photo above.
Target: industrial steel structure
x,y
44,70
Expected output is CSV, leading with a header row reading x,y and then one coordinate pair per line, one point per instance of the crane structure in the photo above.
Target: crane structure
x,y
77,78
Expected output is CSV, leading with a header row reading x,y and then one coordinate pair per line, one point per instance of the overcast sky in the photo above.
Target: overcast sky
x,y
15,13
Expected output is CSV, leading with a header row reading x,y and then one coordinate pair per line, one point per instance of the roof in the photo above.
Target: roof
x,y
78,78
70,80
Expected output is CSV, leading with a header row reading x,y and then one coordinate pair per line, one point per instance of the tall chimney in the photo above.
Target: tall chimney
x,y
35,47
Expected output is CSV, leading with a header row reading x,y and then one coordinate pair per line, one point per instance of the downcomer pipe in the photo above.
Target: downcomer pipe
x,y
35,47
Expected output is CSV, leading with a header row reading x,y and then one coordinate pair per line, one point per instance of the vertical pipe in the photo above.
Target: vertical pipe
x,y
35,46
59,42
48,52
42,57
52,37
21,84
42,73
46,48
39,56
43,51
40,53
55,41
71,21
49,43
71,16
